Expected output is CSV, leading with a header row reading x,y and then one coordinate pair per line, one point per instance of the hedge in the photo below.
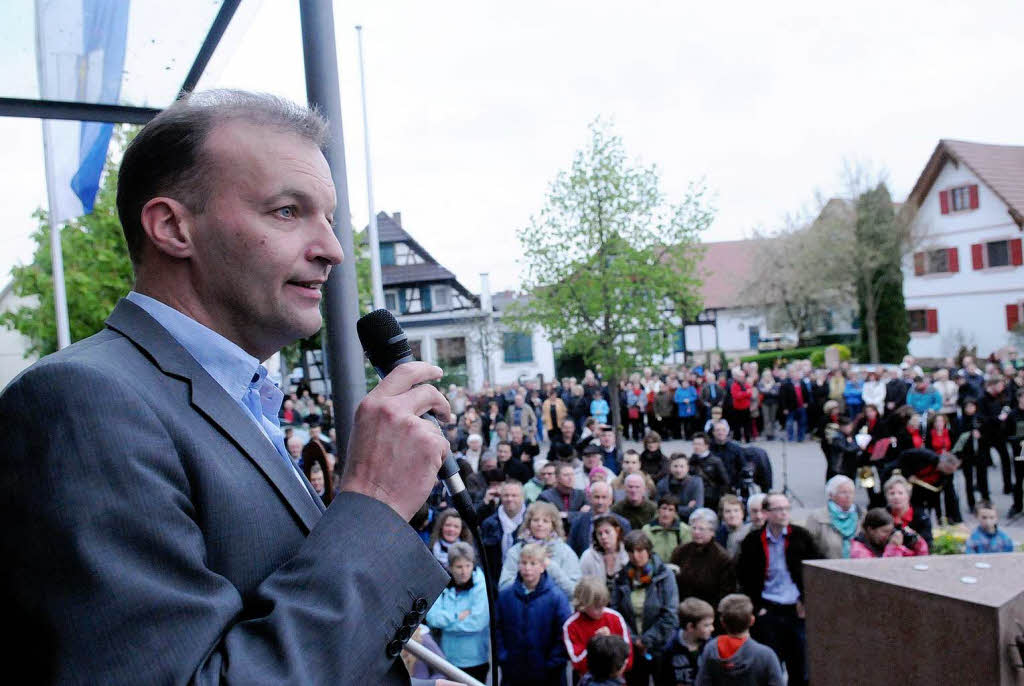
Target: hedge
x,y
768,359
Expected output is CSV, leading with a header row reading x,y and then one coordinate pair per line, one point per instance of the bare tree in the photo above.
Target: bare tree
x,y
790,276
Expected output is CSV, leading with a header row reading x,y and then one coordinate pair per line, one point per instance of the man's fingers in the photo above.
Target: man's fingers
x,y
423,399
405,376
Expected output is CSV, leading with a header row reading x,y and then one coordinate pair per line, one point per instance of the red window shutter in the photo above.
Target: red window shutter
x,y
944,201
1012,316
976,260
933,320
974,196
953,259
1016,258
918,263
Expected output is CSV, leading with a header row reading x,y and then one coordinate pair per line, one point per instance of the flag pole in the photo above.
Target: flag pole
x,y
375,278
60,299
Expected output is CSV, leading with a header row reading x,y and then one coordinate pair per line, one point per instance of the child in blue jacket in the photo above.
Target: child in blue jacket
x,y
531,613
461,614
987,538
599,408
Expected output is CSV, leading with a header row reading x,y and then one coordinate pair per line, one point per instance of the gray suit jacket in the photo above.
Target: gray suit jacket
x,y
152,534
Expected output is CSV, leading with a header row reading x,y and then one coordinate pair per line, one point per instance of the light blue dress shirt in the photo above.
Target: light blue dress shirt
x,y
240,374
778,584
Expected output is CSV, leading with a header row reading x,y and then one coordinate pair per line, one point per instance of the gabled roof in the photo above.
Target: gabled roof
x,y
1000,167
389,230
724,268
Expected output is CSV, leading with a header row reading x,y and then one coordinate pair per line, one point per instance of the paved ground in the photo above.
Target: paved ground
x,y
807,481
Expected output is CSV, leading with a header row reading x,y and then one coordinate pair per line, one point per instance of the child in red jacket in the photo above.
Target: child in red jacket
x,y
592,617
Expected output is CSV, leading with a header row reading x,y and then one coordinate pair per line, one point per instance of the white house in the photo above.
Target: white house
x,y
448,325
727,323
965,283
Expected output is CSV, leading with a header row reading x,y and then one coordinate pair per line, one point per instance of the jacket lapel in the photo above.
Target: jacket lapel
x,y
210,400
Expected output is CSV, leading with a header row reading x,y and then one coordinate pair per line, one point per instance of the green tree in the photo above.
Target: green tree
x,y
886,331
608,261
97,272
867,238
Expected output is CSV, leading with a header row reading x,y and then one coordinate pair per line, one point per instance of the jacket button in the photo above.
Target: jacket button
x,y
404,634
394,648
412,619
420,605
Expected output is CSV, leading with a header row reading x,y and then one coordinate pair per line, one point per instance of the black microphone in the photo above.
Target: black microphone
x,y
387,346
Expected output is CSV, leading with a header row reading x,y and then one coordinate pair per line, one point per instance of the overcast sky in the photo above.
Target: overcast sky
x,y
474,107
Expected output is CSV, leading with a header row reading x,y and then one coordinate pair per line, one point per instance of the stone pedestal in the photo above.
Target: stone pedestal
x,y
882,621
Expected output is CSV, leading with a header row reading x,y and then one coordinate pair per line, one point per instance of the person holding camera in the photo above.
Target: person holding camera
x,y
914,525
879,537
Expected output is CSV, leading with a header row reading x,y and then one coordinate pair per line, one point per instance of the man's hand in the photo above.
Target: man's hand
x,y
463,614
393,453
603,631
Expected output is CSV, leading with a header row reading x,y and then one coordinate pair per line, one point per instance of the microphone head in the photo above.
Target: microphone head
x,y
383,340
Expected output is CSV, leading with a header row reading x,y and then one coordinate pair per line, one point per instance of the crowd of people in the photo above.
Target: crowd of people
x,y
682,568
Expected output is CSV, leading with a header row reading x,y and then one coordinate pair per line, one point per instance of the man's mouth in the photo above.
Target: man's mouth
x,y
313,285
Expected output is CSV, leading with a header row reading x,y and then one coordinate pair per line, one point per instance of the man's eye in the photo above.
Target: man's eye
x,y
286,212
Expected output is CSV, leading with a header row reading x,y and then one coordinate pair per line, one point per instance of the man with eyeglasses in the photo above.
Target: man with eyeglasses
x,y
770,571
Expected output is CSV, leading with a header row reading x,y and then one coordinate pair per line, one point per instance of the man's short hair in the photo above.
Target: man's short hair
x,y
679,456
534,551
702,436
168,156
591,591
691,610
592,450
984,505
606,654
562,466
729,499
669,499
735,611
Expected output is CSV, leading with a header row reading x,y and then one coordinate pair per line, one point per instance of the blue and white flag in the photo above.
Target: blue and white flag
x,y
80,48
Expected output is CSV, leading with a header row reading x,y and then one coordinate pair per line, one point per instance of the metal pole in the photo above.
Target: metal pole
x,y
60,299
439,664
371,231
341,297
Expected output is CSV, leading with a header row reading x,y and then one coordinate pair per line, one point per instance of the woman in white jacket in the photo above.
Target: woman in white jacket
x,y
543,524
874,392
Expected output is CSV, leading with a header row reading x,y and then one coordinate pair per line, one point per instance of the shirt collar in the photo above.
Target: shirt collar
x,y
230,366
771,537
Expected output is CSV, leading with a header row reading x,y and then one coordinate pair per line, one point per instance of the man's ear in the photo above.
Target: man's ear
x,y
169,226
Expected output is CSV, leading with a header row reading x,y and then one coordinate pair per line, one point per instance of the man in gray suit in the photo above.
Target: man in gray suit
x,y
157,531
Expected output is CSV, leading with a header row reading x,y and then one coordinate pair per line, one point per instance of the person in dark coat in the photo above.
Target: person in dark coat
x,y
706,570
582,529
531,613
730,452
653,462
687,488
770,572
710,470
993,410
564,496
651,631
